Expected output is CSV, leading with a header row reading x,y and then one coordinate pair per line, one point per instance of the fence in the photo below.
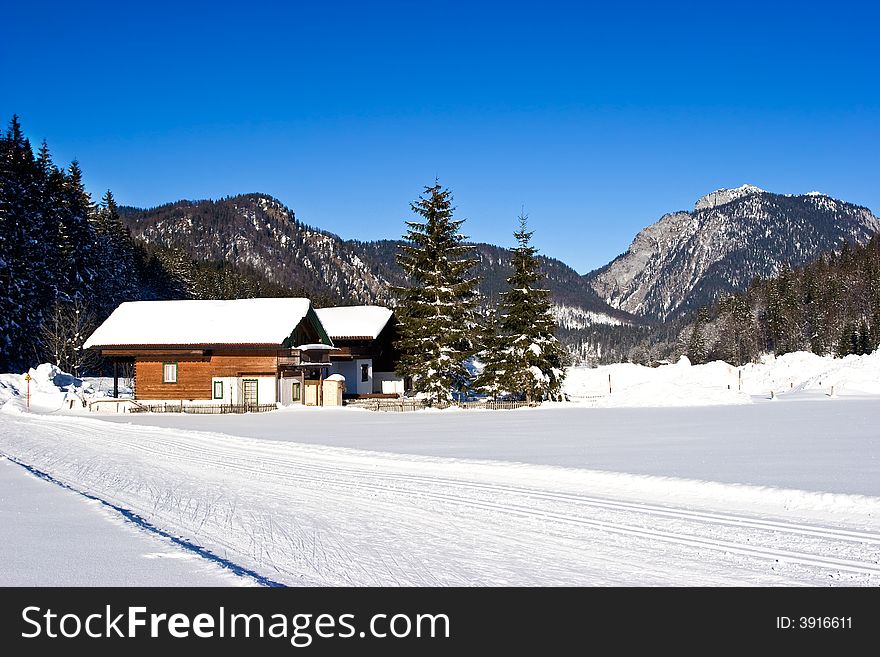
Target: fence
x,y
115,405
203,409
403,405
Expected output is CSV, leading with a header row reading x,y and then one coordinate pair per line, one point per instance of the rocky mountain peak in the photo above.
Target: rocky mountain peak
x,y
688,259
723,196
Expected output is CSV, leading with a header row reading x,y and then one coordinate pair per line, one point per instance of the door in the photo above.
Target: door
x,y
249,392
310,397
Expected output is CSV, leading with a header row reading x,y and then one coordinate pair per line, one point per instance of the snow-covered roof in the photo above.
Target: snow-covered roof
x,y
354,321
201,322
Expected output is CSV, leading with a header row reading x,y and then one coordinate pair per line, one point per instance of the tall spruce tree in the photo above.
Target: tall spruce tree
x,y
697,351
116,255
77,238
534,358
24,258
492,356
436,312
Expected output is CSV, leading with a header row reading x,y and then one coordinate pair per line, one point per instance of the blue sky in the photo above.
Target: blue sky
x,y
596,118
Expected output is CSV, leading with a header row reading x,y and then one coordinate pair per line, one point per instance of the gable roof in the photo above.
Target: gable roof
x,y
364,322
202,322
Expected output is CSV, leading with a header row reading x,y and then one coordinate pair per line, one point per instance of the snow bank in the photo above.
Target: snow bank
x,y
50,390
719,383
670,385
803,371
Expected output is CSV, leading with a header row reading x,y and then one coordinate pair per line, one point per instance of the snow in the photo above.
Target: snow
x,y
537,374
315,346
327,515
354,321
188,322
573,317
754,492
50,536
718,383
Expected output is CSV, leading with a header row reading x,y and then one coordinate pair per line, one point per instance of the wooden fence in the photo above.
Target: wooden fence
x,y
202,409
403,405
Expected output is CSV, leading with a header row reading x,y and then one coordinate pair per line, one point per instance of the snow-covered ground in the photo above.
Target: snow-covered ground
x,y
50,536
766,492
804,441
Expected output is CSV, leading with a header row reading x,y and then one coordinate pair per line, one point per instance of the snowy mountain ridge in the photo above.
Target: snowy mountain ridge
x,y
689,259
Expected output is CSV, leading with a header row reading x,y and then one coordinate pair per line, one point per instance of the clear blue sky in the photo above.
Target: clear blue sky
x,y
598,118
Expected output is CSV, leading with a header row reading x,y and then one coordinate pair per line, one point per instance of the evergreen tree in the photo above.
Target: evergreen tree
x,y
874,331
76,238
21,252
115,253
696,351
847,341
492,356
436,312
864,339
737,343
534,366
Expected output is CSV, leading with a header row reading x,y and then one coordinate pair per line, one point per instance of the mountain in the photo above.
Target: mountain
x,y
690,259
260,233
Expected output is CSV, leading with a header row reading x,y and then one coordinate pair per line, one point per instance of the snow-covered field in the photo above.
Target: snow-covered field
x,y
50,536
764,492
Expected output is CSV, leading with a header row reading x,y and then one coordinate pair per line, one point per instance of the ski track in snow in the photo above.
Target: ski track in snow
x,y
303,515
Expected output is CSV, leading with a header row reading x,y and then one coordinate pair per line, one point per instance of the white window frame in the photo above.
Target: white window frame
x,y
165,377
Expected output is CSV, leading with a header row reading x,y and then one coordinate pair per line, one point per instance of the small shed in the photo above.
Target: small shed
x,y
334,387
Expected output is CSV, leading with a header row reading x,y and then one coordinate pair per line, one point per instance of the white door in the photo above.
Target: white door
x,y
249,392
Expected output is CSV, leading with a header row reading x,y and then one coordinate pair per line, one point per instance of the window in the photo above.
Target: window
x,y
365,373
169,372
295,391
218,390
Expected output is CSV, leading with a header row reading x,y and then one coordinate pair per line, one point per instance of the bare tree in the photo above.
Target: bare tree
x,y
64,330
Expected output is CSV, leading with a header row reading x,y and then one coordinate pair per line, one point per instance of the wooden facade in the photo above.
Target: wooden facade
x,y
195,373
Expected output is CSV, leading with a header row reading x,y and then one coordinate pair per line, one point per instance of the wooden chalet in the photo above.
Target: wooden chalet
x,y
238,352
365,354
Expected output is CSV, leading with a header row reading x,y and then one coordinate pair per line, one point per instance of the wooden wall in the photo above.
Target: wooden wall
x,y
194,373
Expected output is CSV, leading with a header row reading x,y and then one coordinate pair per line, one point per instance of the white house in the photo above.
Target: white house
x,y
365,355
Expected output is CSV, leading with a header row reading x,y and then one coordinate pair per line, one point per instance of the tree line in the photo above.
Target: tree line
x,y
828,307
67,262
